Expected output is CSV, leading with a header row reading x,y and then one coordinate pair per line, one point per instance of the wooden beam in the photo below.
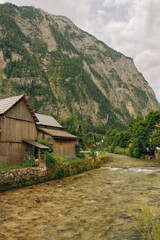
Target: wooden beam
x,y
39,154
44,156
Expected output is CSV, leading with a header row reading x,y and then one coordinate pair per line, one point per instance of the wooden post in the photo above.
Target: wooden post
x,y
39,154
44,155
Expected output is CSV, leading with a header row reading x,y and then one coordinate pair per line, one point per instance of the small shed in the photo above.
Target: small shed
x,y
63,143
17,130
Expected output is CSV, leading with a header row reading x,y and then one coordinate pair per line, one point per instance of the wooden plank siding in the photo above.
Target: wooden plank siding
x,y
20,111
61,147
64,147
14,153
17,124
16,130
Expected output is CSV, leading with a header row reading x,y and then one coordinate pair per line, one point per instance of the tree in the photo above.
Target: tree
x,y
143,138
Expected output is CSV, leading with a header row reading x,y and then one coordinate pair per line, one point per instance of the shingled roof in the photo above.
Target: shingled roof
x,y
58,133
7,103
47,121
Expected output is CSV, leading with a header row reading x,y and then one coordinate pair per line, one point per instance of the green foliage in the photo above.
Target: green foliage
x,y
110,135
8,9
28,163
30,13
147,222
121,139
77,160
155,138
70,124
142,136
141,95
50,159
142,132
4,168
80,155
39,46
27,67
45,142
63,43
123,151
109,148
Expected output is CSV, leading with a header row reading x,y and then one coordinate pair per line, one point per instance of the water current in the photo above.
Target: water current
x,y
90,206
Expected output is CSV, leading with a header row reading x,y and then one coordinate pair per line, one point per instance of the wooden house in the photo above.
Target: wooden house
x,y
63,143
17,131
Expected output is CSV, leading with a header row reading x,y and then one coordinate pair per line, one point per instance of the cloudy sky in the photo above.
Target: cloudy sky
x,y
129,26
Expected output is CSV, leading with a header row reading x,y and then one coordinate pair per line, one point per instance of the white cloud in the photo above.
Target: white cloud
x,y
108,3
121,2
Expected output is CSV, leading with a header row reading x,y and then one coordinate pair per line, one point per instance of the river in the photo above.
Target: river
x,y
90,206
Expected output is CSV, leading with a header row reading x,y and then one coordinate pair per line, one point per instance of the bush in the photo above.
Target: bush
x,y
50,159
103,157
110,148
146,222
80,155
28,163
45,142
123,151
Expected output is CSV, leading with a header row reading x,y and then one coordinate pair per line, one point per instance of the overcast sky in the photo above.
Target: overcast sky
x,y
129,26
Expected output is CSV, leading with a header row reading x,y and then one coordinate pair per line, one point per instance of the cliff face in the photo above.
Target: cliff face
x,y
62,69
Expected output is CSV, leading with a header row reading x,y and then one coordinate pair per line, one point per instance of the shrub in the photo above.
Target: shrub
x,y
146,222
103,157
50,159
80,155
110,148
28,163
45,142
123,151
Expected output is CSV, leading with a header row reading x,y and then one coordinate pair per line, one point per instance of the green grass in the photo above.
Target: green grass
x,y
78,160
26,163
4,168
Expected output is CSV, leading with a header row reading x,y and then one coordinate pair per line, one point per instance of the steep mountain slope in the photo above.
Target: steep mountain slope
x,y
63,69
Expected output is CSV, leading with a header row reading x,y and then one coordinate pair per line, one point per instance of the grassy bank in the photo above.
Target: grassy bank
x,y
58,168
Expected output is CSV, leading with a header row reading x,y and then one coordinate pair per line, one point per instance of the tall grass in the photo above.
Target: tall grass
x,y
147,222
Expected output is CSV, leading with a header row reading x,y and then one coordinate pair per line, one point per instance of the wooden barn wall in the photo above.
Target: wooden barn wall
x,y
15,130
14,153
64,148
16,125
61,147
20,111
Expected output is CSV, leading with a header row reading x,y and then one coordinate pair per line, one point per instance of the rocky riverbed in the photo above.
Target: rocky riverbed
x,y
90,206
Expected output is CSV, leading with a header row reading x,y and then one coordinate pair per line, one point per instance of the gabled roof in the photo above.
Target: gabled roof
x,y
35,144
58,133
47,121
7,103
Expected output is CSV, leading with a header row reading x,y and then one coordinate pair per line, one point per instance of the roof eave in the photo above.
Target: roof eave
x,y
30,109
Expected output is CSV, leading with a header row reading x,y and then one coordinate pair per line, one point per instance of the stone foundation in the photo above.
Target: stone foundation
x,y
15,176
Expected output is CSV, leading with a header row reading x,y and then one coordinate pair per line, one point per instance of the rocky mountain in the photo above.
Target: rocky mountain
x,y
62,69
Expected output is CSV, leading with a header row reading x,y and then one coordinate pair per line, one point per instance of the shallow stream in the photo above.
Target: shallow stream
x,y
90,206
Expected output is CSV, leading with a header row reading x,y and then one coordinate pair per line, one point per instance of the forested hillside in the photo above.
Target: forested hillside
x,y
65,72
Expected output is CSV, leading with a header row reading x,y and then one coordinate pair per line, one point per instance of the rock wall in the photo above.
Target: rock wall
x,y
15,176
